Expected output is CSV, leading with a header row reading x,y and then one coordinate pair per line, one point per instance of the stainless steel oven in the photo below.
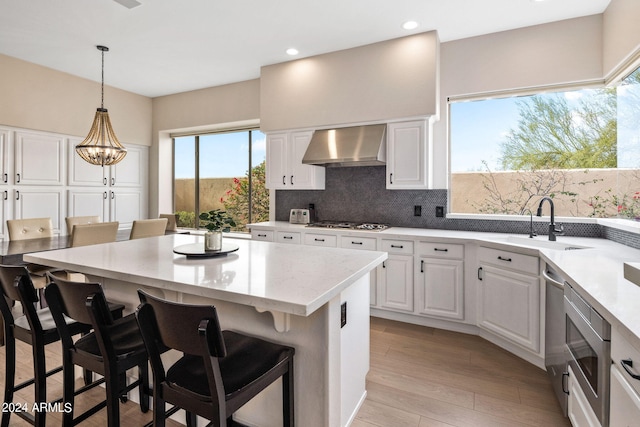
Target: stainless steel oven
x,y
588,338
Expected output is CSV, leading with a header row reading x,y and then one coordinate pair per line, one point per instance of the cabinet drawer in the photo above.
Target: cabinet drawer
x,y
352,242
288,237
505,259
330,240
441,250
397,246
621,350
267,235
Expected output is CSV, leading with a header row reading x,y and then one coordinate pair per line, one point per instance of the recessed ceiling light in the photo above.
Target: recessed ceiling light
x,y
292,51
410,25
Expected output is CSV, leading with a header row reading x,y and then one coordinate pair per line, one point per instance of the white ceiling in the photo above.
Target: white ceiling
x,y
169,46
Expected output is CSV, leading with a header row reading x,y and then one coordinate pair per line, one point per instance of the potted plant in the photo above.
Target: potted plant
x,y
215,221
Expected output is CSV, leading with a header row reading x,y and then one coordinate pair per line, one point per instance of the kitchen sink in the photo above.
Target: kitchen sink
x,y
542,243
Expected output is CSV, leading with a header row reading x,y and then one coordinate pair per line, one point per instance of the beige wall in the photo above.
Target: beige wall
x,y
36,97
621,35
205,109
558,53
382,81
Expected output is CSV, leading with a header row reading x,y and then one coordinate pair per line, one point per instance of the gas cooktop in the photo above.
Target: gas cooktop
x,y
348,225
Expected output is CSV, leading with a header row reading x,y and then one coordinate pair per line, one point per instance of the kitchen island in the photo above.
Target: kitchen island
x,y
312,298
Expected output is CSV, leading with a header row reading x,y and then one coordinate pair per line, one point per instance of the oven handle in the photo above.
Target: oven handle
x,y
551,280
627,364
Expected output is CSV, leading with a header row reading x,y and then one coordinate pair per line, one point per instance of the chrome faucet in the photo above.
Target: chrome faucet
x,y
553,231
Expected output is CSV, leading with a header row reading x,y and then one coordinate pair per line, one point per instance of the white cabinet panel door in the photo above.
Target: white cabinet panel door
x,y
441,288
82,172
40,203
509,305
130,171
407,165
126,206
39,159
88,202
277,170
396,283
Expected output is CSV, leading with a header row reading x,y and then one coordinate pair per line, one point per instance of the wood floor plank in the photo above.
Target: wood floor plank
x,y
408,365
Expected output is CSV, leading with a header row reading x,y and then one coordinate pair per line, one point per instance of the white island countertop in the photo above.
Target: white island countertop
x,y
294,279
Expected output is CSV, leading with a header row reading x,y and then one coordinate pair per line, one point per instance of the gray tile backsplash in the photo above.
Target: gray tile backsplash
x,y
359,194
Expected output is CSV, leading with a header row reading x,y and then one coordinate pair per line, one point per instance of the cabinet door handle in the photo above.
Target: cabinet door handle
x,y
105,195
262,235
440,250
287,237
356,243
397,246
504,259
6,194
421,266
104,180
383,265
284,182
18,179
17,194
5,178
627,364
113,181
479,273
319,240
291,180
391,178
564,389
113,195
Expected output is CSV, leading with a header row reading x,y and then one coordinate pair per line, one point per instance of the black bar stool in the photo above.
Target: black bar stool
x,y
36,328
114,347
219,372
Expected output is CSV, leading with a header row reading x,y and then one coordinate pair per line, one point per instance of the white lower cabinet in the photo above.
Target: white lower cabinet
x,y
395,276
509,296
624,405
578,408
439,287
327,240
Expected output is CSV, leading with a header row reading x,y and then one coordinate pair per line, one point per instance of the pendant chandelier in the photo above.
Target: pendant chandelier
x,y
101,146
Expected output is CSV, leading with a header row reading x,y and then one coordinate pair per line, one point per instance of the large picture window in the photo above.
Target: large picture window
x,y
582,148
221,171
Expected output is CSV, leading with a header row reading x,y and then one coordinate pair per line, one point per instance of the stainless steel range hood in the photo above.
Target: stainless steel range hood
x,y
351,146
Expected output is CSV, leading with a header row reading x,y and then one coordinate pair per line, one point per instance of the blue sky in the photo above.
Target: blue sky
x,y
222,155
477,129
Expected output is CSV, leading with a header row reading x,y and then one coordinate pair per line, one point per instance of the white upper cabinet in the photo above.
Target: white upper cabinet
x,y
408,155
132,170
129,172
285,170
82,172
39,159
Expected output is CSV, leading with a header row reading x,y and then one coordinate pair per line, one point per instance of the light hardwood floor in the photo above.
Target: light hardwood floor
x,y
420,377
425,377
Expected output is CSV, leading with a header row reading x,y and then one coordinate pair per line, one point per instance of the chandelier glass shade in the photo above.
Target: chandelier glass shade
x,y
101,147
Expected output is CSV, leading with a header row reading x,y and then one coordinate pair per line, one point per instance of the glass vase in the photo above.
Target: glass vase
x,y
213,241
